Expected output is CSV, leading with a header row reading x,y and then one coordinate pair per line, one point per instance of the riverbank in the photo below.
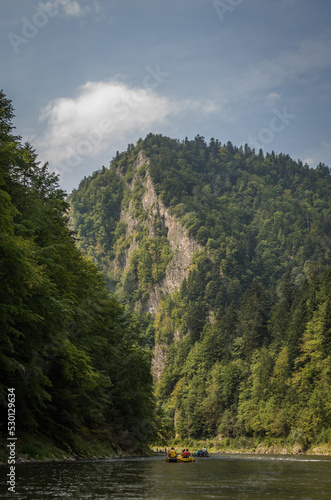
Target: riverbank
x,y
31,448
275,446
39,448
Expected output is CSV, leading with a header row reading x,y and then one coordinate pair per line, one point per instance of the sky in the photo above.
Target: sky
x,y
88,77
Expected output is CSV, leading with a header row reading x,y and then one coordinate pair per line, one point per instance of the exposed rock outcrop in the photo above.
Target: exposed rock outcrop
x,y
182,245
158,361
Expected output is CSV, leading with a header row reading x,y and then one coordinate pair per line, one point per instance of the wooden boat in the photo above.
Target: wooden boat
x,y
179,458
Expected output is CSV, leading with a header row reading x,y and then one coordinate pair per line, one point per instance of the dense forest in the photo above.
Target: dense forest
x,y
72,354
247,334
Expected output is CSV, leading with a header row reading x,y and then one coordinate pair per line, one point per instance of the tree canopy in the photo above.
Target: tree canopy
x,y
74,357
247,335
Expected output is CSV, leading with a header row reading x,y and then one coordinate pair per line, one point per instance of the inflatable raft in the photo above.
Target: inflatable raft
x,y
179,458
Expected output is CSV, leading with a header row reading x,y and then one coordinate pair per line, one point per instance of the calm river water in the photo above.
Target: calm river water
x,y
241,477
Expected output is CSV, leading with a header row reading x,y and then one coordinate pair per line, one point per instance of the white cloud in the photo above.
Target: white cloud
x,y
310,57
70,8
272,98
102,115
321,154
73,8
309,161
97,6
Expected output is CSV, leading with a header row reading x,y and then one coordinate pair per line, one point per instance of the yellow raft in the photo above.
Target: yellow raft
x,y
179,458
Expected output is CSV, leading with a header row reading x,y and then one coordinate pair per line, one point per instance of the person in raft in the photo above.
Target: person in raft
x,y
186,453
172,453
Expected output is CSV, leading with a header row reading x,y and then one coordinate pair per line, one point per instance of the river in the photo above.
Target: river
x,y
241,477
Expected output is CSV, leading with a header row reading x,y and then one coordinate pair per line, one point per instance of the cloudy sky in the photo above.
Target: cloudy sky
x,y
87,77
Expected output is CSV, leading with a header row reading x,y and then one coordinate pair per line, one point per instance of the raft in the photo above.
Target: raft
x,y
179,458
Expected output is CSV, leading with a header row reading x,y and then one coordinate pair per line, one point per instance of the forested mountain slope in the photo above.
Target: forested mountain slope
x,y
69,354
224,255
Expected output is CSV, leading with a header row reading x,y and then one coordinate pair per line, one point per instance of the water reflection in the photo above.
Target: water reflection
x,y
227,477
99,480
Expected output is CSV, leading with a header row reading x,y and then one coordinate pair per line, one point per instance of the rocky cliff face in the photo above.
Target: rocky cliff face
x,y
181,244
182,247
